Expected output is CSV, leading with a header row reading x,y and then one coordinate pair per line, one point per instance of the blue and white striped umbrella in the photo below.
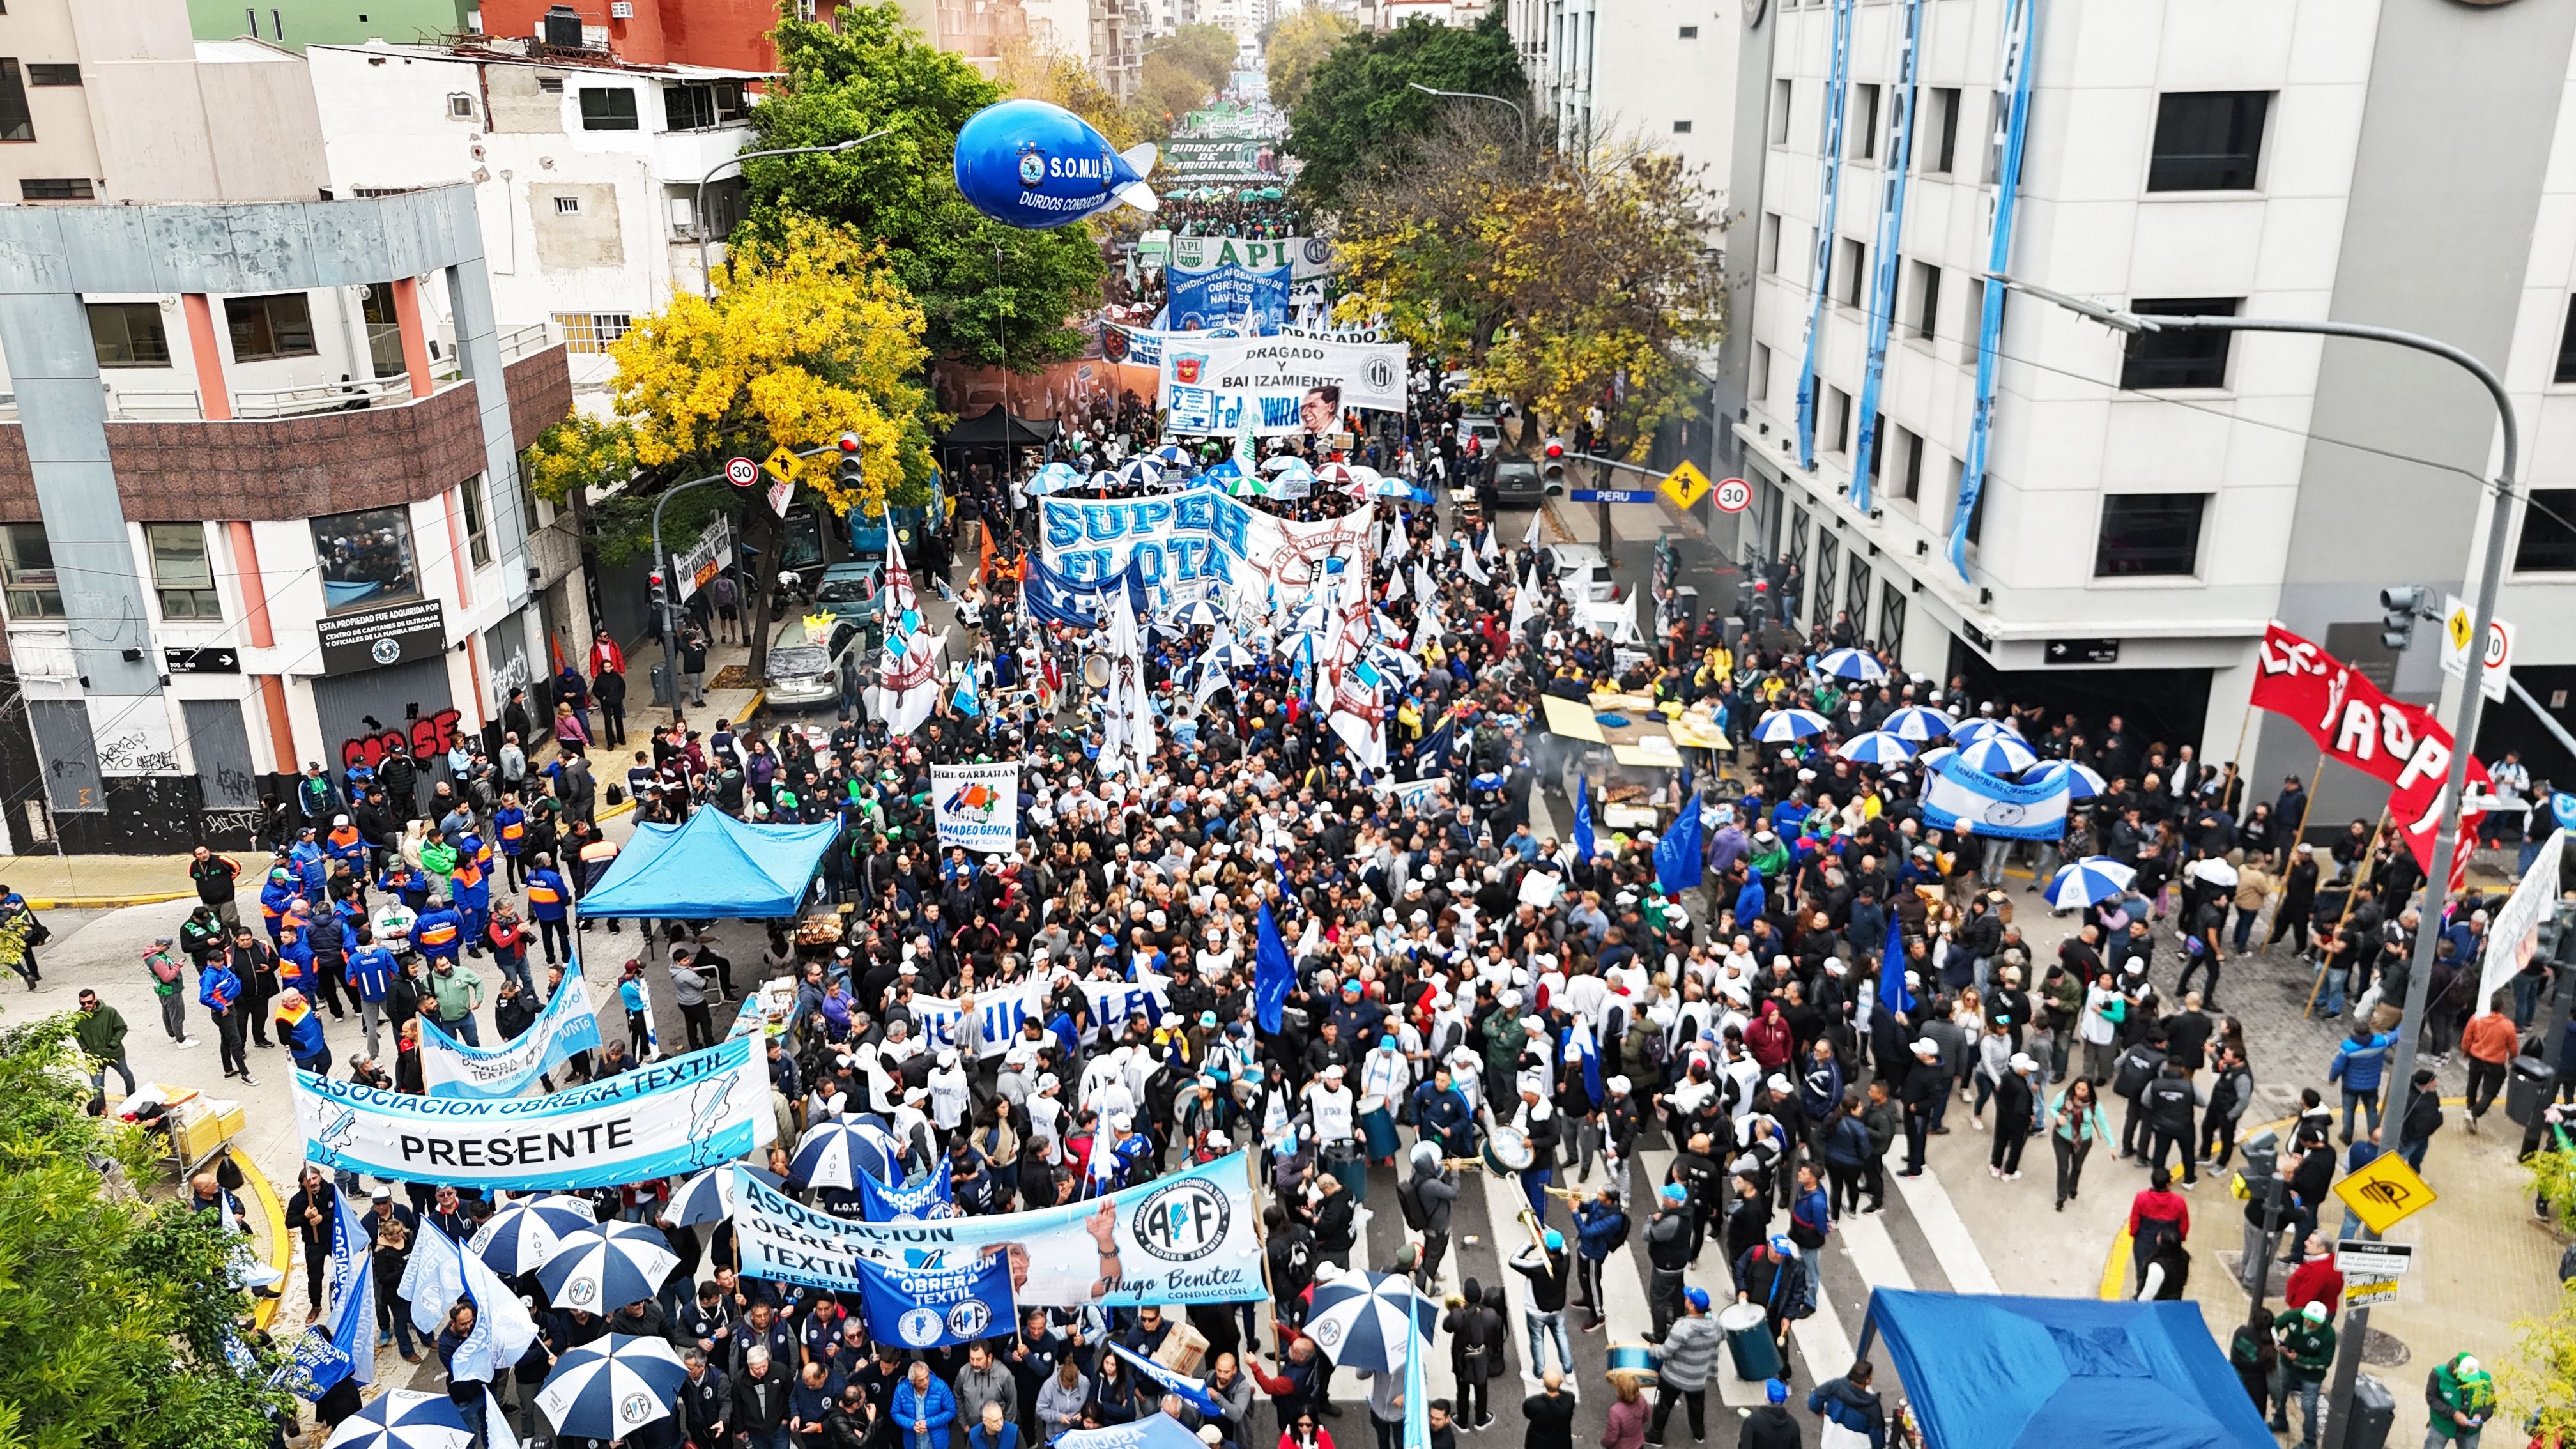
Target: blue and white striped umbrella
x,y
1103,479
830,1152
1851,664
1877,747
610,1387
407,1419
708,1197
1974,730
2093,879
609,1267
1781,726
2083,782
1918,723
1053,478
1197,614
1358,1320
1999,753
1139,473
1171,455
524,1232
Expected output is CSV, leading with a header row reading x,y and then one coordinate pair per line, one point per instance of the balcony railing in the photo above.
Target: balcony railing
x,y
518,342
132,407
353,395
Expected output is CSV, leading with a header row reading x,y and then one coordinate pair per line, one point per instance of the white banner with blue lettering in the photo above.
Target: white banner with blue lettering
x,y
977,806
1369,374
998,1013
667,1119
1972,802
1190,544
1199,410
936,1308
450,1068
1180,1239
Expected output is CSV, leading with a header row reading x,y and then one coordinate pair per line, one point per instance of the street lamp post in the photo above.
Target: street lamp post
x,y
1517,113
706,274
2463,722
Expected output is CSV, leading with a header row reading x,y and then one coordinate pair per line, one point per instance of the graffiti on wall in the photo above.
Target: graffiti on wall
x,y
427,737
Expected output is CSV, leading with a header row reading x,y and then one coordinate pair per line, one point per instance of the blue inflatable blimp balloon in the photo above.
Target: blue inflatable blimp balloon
x,y
1031,164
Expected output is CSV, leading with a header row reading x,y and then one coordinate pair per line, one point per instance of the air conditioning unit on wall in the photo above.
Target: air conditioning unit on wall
x,y
621,9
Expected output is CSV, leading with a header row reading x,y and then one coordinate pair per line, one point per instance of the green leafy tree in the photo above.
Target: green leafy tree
x,y
1297,42
1361,110
2540,1382
990,294
114,1314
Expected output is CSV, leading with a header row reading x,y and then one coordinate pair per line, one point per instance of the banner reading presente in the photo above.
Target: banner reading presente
x,y
1177,1240
977,806
450,1068
667,1119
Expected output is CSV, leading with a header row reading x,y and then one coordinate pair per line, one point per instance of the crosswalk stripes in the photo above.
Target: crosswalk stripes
x,y
1938,1217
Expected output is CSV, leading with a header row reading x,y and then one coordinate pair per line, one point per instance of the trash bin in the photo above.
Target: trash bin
x,y
2373,1412
2526,1089
1749,1342
1686,605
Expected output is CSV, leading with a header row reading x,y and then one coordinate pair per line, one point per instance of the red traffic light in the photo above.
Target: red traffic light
x,y
1555,449
849,442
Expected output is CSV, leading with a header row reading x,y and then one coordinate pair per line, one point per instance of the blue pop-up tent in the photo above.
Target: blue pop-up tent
x,y
2003,1373
711,865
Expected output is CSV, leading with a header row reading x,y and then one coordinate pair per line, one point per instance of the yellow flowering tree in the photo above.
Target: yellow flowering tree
x,y
809,336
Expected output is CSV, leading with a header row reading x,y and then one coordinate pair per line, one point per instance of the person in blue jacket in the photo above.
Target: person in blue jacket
x,y
550,906
439,934
372,969
283,888
219,992
924,1407
1599,1230
409,885
299,1030
469,888
312,865
2359,1061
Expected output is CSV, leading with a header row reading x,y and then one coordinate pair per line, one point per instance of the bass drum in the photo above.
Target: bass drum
x,y
1508,1152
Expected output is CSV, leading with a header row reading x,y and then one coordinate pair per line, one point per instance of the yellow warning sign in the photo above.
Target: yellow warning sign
x,y
2385,1193
2457,623
1685,485
780,464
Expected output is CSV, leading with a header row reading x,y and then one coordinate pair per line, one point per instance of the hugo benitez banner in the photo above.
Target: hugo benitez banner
x,y
2355,722
1181,1239
663,1120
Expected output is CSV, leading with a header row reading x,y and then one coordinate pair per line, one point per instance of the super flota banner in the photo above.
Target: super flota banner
x,y
977,806
1368,374
450,1068
998,1013
664,1120
1176,1240
1190,543
1221,414
1227,294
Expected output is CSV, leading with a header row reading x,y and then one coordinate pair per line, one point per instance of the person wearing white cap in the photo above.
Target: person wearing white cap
x,y
2016,1116
1334,1118
912,1129
1927,1084
949,1098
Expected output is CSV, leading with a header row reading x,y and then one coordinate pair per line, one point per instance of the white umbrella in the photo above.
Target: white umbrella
x,y
1918,723
1974,730
1877,747
1357,1319
613,1265
1851,664
2089,881
1781,726
1282,462
2083,782
2213,870
410,1419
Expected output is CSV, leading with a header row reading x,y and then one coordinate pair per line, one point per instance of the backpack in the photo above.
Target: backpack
x,y
2133,1072
1407,1201
1296,1262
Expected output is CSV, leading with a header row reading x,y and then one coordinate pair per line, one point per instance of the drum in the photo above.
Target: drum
x,y
1508,1152
1749,1342
1095,671
1643,1360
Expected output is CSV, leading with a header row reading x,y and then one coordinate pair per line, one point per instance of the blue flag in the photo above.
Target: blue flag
x,y
1417,1394
2563,806
340,1347
1582,818
914,1202
1574,1044
1192,1391
936,1308
1272,973
1891,967
1678,854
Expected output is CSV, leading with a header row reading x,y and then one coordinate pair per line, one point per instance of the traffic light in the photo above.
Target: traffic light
x,y
2399,608
661,593
849,473
1552,472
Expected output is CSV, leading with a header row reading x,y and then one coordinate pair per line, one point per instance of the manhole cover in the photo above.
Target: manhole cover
x,y
2385,1350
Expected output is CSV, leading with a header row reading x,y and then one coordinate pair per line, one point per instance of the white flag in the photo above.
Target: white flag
x,y
1530,539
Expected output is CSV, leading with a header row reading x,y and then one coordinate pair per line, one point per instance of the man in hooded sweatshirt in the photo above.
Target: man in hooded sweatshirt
x,y
1849,1405
1770,1426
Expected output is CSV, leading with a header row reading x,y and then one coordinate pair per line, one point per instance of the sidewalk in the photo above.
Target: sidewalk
x,y
96,882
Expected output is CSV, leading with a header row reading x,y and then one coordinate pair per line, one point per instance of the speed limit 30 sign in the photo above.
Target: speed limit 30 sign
x,y
1734,495
741,472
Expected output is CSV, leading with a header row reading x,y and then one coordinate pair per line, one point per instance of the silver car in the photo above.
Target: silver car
x,y
805,672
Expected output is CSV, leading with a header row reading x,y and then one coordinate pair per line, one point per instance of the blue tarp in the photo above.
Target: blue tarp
x,y
712,865
1996,1373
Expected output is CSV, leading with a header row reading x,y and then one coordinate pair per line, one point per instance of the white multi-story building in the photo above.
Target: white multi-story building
x,y
2147,507
1602,72
586,173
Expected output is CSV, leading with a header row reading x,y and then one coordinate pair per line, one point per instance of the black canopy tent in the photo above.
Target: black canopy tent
x,y
997,432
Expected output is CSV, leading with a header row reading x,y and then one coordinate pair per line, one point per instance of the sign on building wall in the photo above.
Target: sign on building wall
x,y
379,638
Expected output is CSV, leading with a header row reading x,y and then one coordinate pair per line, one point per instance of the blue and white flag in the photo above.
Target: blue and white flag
x,y
433,1278
927,1307
1193,1392
1891,967
503,1327
2563,806
1417,1392
1583,838
342,1346
964,701
1575,1044
910,1202
450,1068
1678,855
1272,972
1972,802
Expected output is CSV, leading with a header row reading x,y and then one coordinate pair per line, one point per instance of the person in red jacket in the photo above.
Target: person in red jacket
x,y
2156,1216
2316,1279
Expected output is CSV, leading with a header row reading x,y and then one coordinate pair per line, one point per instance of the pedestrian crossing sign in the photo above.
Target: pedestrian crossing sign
x,y
2385,1192
1685,486
780,464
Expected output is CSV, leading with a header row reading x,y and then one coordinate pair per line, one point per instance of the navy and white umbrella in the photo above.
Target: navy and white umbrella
x,y
1782,726
1197,614
1851,664
1139,473
830,1152
1877,747
1999,753
1357,1319
2094,879
708,1197
410,1419
610,1387
1053,478
1974,730
525,1232
1171,455
611,1266
2083,782
1918,723
1104,479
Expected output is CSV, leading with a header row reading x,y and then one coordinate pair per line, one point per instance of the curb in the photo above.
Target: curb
x,y
107,903
281,1247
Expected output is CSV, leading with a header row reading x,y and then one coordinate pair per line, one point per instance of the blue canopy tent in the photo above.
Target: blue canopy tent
x,y
711,865
2000,1373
